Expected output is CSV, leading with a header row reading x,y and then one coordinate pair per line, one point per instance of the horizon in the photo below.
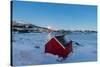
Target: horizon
x,y
51,28
58,16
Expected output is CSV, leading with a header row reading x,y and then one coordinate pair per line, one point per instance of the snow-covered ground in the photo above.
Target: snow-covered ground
x,y
28,49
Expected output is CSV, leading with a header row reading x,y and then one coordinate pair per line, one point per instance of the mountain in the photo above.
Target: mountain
x,y
25,28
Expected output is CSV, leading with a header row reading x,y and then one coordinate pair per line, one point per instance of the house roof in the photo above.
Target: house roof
x,y
60,40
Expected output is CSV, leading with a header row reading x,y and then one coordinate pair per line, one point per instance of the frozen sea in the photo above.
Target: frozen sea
x,y
28,49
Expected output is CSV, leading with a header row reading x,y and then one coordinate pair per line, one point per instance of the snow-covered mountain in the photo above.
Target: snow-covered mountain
x,y
18,26
23,27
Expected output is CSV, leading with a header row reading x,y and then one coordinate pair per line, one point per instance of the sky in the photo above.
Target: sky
x,y
57,16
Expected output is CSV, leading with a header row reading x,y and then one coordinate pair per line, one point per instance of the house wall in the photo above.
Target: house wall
x,y
55,48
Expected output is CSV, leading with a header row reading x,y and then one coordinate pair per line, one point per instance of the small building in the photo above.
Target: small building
x,y
58,46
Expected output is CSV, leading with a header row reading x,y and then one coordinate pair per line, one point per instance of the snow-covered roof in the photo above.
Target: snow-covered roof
x,y
60,40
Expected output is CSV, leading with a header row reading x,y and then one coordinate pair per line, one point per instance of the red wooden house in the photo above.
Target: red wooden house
x,y
58,46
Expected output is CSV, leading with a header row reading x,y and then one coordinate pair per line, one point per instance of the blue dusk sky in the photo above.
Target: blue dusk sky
x,y
58,16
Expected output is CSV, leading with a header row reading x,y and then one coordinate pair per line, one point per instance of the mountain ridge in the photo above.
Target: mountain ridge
x,y
28,27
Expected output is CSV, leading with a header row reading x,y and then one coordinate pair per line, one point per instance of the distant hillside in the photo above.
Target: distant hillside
x,y
25,28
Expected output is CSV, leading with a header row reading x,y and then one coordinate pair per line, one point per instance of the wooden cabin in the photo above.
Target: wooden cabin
x,y
57,45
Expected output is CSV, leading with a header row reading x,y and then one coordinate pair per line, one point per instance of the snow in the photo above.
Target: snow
x,y
28,49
